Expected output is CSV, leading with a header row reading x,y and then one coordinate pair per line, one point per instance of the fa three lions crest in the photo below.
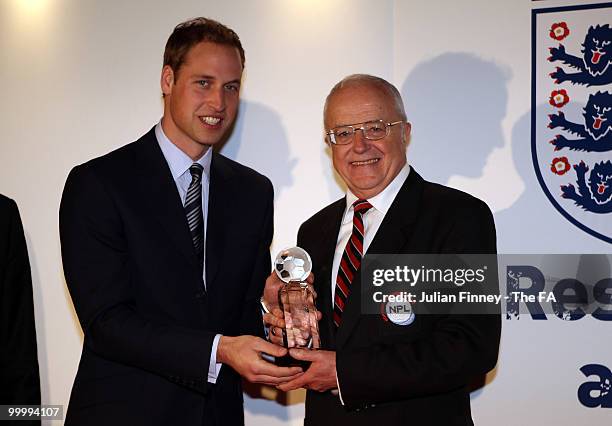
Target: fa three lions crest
x,y
571,112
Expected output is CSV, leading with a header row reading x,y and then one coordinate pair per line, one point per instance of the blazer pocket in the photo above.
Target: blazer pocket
x,y
406,331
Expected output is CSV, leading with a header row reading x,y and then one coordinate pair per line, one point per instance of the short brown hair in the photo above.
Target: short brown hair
x,y
189,33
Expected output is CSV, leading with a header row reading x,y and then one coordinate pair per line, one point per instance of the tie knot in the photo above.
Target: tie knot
x,y
196,170
361,206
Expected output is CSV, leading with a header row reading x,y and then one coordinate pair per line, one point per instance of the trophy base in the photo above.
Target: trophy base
x,y
289,361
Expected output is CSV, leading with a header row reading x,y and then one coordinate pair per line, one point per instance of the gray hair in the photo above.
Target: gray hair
x,y
366,79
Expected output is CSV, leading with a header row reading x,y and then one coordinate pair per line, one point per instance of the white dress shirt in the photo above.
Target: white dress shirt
x,y
371,222
179,164
371,219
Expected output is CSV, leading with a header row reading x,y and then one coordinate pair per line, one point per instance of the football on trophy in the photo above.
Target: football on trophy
x,y
293,264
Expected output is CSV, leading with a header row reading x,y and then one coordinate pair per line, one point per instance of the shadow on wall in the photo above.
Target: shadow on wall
x,y
455,102
258,140
532,224
335,185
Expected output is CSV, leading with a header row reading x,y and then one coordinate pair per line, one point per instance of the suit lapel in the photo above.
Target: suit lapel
x,y
393,234
160,194
219,199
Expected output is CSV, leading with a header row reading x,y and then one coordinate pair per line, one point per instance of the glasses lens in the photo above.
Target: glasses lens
x,y
375,130
343,135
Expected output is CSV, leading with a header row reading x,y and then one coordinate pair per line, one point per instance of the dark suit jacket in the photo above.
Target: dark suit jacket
x,y
19,377
137,288
416,374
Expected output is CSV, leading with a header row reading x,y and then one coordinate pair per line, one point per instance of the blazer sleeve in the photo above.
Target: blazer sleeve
x,y
19,373
458,349
97,267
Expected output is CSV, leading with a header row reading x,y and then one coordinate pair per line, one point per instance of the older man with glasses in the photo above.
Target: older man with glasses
x,y
372,369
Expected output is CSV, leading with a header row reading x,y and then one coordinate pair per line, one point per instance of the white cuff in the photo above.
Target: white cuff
x,y
339,392
264,310
214,367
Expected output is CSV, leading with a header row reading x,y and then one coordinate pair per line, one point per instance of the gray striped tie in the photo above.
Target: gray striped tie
x,y
193,210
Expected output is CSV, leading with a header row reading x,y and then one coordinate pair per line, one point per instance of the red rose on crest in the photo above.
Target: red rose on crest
x,y
559,98
560,166
559,31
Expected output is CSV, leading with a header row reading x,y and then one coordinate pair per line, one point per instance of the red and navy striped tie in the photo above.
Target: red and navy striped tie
x,y
351,260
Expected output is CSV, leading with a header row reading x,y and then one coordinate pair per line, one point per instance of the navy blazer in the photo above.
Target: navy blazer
x,y
137,287
416,374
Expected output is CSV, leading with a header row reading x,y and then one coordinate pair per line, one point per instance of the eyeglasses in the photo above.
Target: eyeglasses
x,y
372,130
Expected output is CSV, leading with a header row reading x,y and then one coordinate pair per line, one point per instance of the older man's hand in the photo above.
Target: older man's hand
x,y
320,376
273,285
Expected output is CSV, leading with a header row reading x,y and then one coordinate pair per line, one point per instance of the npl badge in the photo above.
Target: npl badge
x,y
398,311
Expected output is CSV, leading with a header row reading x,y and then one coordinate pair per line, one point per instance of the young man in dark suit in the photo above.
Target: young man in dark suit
x,y
371,369
165,247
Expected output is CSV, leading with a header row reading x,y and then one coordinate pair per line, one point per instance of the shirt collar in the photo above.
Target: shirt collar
x,y
383,200
177,160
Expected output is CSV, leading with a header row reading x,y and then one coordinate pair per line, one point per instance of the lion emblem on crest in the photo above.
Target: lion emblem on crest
x,y
595,135
596,194
594,66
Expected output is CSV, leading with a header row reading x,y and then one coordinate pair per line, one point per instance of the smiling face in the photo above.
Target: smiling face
x,y
201,99
366,166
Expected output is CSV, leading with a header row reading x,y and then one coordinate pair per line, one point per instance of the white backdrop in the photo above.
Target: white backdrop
x,y
81,77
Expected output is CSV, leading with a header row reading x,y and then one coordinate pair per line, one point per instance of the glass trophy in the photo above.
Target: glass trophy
x,y
296,300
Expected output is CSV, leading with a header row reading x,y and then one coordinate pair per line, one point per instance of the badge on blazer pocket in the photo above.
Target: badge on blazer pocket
x,y
398,312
